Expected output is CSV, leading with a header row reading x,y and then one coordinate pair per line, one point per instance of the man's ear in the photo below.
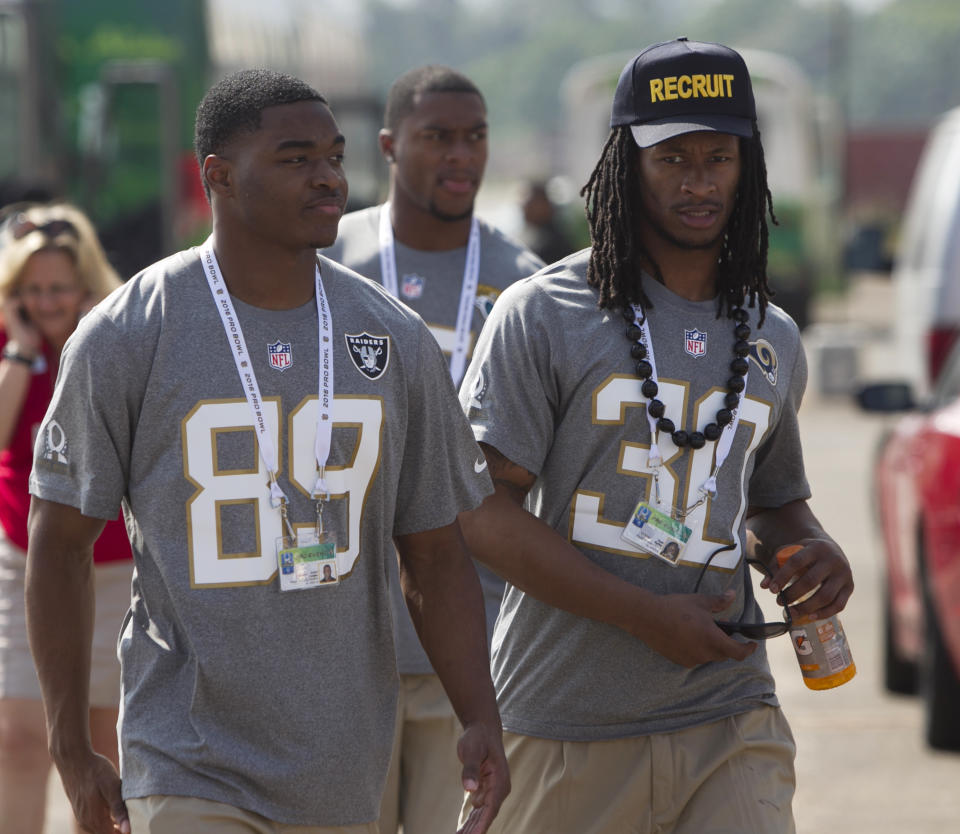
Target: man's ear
x,y
217,174
386,144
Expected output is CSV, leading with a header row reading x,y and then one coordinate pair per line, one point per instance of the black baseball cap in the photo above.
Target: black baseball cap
x,y
683,86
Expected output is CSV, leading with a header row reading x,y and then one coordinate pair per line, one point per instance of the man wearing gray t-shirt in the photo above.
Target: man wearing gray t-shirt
x,y
264,416
429,250
634,477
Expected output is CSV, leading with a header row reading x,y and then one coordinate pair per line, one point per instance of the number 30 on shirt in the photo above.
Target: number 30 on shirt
x,y
215,487
610,401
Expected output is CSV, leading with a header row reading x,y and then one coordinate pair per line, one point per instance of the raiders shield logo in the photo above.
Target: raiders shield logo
x,y
370,354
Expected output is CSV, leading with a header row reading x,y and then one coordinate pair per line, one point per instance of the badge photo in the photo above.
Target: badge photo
x,y
307,562
656,533
370,354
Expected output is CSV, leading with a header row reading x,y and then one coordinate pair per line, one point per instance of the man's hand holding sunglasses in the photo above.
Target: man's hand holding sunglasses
x,y
683,629
746,628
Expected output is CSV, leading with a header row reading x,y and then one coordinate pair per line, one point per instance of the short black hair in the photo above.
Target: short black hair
x,y
433,78
235,105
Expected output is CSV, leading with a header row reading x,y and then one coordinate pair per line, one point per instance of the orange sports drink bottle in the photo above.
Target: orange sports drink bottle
x,y
820,645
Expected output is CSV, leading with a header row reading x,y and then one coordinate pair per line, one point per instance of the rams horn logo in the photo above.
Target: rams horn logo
x,y
765,357
370,354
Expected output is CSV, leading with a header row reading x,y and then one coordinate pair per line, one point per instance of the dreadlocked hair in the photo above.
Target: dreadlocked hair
x,y
613,202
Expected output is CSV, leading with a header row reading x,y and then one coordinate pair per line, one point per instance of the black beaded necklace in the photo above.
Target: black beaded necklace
x,y
649,389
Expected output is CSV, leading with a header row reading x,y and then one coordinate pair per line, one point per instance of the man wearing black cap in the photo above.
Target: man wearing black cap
x,y
655,466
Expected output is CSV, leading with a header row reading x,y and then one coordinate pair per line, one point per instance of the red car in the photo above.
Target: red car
x,y
917,479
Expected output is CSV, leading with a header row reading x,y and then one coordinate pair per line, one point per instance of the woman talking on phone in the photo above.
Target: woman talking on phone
x,y
52,270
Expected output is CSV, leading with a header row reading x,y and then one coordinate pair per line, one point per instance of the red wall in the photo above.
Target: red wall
x,y
880,166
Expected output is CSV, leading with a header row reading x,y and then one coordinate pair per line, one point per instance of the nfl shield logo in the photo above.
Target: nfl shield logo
x,y
281,356
370,354
411,286
695,342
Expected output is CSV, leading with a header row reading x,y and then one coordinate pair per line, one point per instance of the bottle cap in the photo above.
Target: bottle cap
x,y
787,551
784,553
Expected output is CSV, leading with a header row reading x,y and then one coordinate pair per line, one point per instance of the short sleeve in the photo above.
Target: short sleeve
x,y
82,451
443,471
510,392
778,474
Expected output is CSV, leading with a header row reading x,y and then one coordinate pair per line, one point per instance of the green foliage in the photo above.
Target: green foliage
x,y
906,67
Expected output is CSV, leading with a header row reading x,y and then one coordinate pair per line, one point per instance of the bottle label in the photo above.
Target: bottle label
x,y
821,648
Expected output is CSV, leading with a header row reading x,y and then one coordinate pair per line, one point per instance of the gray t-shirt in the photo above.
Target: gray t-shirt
x,y
282,703
552,386
430,283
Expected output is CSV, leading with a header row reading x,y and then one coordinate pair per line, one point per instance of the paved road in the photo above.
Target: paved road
x,y
862,765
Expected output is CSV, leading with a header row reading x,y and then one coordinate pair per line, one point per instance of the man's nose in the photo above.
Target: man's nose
x,y
699,180
327,174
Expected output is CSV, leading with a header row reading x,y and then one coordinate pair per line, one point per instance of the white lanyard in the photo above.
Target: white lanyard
x,y
709,487
468,291
248,378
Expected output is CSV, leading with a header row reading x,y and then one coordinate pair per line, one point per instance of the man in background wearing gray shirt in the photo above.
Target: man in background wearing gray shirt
x,y
265,427
635,476
427,248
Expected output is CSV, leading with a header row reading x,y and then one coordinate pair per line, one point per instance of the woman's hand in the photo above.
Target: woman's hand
x,y
19,329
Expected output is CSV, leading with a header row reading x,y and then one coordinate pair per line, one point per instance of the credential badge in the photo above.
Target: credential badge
x,y
370,354
695,342
281,355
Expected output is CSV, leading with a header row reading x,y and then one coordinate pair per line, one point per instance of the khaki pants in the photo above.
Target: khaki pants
x,y
424,790
184,814
733,776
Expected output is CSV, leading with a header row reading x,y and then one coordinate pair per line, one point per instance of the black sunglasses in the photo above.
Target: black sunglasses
x,y
752,631
21,226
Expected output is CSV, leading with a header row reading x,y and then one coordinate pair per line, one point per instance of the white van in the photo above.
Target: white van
x,y
927,270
